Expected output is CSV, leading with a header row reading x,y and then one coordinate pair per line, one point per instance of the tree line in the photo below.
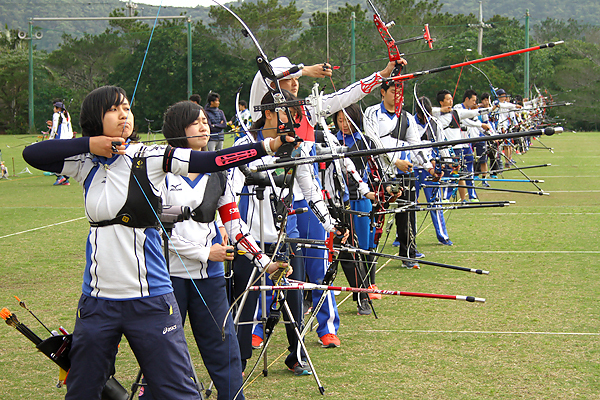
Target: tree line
x,y
223,59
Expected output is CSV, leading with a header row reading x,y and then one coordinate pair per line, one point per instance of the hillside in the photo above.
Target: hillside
x,y
16,13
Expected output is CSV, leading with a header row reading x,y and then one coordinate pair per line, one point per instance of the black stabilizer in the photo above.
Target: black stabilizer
x,y
471,299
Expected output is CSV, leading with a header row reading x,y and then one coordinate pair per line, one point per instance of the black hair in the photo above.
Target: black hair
x,y
385,86
468,94
177,118
426,104
212,96
243,103
95,105
441,95
354,113
485,95
518,99
196,98
268,99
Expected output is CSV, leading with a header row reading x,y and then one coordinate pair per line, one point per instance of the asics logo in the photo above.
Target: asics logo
x,y
169,329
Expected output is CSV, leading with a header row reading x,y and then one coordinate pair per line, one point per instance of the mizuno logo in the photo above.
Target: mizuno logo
x,y
175,188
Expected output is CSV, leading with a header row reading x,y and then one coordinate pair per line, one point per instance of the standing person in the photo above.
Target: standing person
x,y
242,118
309,226
505,120
250,208
481,148
348,123
430,131
196,98
61,129
381,121
450,119
217,121
126,285
472,127
198,250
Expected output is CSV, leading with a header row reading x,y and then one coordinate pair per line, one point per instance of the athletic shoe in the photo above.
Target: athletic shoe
x,y
485,184
65,183
59,181
329,341
300,369
419,255
396,243
363,307
475,200
374,296
410,265
307,306
447,242
257,342
493,176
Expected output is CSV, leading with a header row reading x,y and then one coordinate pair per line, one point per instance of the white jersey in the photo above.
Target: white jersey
x,y
472,125
122,262
332,103
190,243
446,119
506,116
61,126
378,122
249,204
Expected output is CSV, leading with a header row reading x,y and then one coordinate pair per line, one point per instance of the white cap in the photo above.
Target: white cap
x,y
259,88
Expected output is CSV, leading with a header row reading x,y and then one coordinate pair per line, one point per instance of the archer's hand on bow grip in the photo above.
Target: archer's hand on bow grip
x,y
278,269
387,72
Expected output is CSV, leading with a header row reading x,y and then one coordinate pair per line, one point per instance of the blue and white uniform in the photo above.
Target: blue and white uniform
x,y
309,227
127,289
192,271
381,123
451,126
429,132
61,126
470,127
249,211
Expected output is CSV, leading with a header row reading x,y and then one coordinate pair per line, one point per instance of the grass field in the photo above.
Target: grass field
x,y
536,337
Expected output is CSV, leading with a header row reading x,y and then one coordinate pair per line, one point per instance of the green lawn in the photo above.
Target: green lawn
x,y
536,337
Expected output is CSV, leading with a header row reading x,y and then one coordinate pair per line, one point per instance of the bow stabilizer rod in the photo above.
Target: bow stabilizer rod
x,y
297,285
414,75
549,131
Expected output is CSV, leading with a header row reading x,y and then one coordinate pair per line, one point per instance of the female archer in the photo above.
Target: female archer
x,y
126,285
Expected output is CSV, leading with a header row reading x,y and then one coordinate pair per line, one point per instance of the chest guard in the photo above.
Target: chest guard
x,y
455,122
142,205
429,133
215,188
399,131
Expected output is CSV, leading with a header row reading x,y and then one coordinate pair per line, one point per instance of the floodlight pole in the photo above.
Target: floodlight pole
x,y
31,20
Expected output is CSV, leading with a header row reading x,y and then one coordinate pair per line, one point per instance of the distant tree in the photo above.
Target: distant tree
x,y
273,25
86,62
